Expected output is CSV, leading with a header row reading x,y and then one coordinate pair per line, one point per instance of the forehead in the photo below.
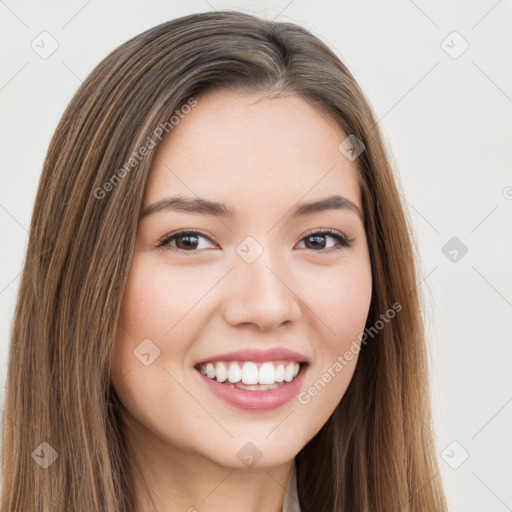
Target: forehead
x,y
241,148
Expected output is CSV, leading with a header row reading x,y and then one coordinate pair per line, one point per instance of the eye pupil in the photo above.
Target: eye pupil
x,y
187,244
316,239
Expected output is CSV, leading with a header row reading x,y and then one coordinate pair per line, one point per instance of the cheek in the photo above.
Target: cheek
x,y
149,310
155,301
153,336
163,305
142,305
341,300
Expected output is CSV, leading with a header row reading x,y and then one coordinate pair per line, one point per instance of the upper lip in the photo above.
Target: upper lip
x,y
258,355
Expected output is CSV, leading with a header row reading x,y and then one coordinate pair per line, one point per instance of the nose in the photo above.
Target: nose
x,y
261,293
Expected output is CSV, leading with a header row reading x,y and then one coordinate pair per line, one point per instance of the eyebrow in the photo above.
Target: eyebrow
x,y
205,207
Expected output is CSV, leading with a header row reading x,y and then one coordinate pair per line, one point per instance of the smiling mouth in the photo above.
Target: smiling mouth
x,y
252,376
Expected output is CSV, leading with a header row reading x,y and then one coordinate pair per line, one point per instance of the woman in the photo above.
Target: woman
x,y
219,306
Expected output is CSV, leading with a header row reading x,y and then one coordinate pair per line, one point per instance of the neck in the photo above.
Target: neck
x,y
178,479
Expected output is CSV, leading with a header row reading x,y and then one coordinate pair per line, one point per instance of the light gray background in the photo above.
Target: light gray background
x,y
447,122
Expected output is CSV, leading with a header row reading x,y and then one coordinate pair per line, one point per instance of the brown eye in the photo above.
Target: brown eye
x,y
318,241
187,241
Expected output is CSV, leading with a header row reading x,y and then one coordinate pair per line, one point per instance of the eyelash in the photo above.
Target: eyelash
x,y
344,242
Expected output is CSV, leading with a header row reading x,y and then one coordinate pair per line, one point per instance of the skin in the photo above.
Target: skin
x,y
260,156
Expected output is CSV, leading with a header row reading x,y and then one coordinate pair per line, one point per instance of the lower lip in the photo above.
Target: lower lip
x,y
256,400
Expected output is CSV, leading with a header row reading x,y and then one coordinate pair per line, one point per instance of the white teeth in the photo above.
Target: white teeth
x,y
221,372
269,374
280,373
210,370
250,374
288,372
234,373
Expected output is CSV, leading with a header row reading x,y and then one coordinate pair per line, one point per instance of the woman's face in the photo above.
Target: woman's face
x,y
256,276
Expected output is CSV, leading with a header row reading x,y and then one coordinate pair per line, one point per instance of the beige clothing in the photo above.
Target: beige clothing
x,y
291,498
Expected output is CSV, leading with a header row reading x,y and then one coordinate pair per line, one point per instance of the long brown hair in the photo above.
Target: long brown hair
x,y
376,451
